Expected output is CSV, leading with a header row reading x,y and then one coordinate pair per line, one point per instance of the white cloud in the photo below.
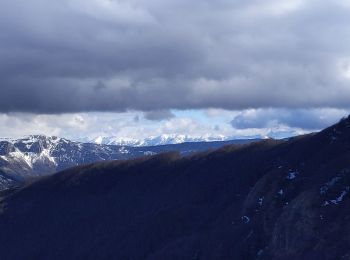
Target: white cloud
x,y
195,123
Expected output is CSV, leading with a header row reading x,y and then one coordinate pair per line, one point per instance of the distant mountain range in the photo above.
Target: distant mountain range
x,y
273,199
32,156
159,140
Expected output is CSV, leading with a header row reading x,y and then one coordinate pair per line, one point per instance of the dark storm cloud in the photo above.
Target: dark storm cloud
x,y
158,115
104,55
310,119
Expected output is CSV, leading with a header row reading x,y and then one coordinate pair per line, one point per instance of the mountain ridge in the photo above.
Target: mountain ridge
x,y
266,200
164,139
38,155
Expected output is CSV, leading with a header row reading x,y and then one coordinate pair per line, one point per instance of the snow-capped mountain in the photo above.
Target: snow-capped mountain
x,y
154,140
41,155
38,155
275,199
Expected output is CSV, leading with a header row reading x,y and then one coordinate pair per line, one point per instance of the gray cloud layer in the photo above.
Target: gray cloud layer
x,y
308,119
158,115
103,55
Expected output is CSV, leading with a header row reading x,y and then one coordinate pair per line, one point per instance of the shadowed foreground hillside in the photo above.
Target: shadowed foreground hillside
x,y
267,200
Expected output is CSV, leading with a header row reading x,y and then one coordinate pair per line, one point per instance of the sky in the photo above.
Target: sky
x,y
139,68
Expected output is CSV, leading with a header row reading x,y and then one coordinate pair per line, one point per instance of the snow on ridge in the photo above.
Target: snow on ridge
x,y
17,155
292,174
4,158
27,139
154,140
341,196
30,158
338,199
47,144
329,184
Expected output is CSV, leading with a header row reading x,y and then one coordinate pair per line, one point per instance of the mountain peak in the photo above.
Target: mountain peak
x,y
173,207
41,155
163,139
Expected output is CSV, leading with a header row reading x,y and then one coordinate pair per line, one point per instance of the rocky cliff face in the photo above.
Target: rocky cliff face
x,y
267,200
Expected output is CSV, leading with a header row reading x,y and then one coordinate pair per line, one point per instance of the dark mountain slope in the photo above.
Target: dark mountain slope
x,y
267,200
33,156
6,181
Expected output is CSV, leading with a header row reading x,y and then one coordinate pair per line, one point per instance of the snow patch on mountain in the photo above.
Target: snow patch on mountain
x,y
39,155
32,150
17,155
